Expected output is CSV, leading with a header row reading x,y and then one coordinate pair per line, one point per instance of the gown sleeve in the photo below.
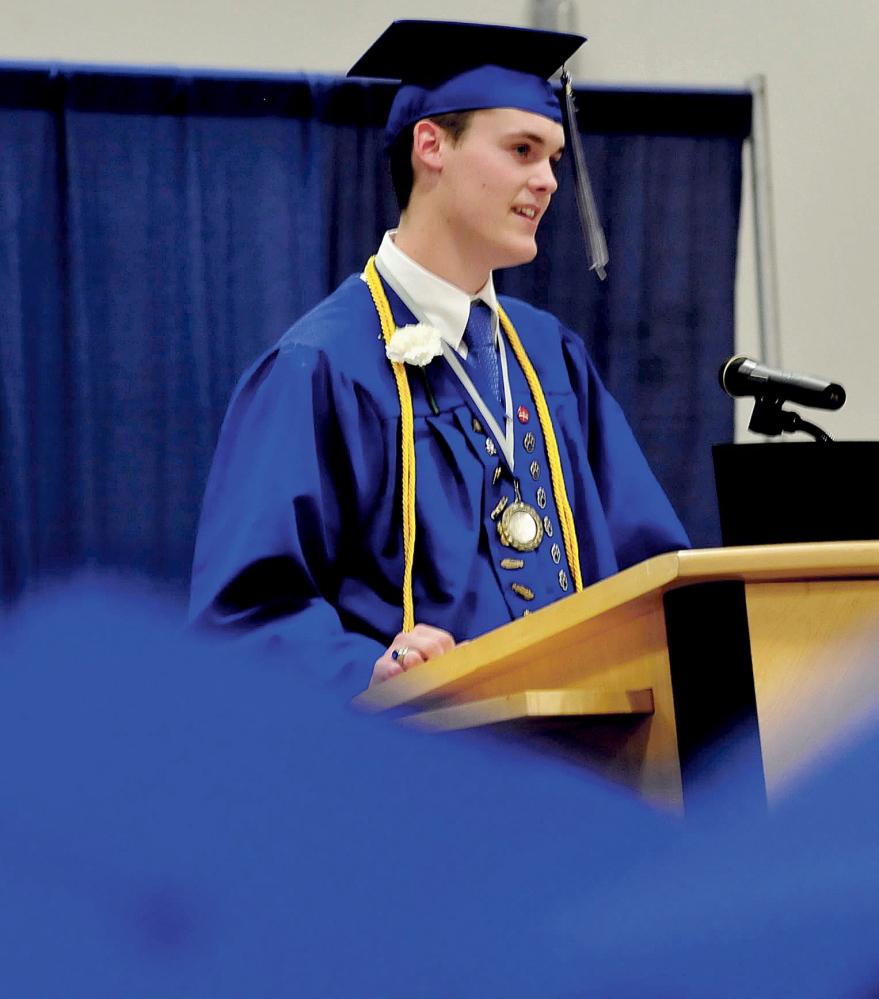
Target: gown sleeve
x,y
300,466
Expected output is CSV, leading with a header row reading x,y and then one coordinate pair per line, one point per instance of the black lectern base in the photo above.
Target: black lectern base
x,y
797,491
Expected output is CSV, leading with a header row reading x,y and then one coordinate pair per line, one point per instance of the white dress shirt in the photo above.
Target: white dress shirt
x,y
442,305
431,299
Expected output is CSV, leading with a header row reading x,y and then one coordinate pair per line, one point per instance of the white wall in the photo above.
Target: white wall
x,y
823,81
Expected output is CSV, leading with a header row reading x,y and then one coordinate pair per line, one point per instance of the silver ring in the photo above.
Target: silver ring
x,y
400,654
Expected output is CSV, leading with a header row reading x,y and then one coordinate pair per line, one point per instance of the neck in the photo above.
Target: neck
x,y
433,247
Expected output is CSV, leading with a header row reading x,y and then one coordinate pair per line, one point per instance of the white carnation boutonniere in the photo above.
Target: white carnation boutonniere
x,y
417,345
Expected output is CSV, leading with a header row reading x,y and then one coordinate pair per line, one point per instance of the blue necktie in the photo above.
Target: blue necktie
x,y
481,351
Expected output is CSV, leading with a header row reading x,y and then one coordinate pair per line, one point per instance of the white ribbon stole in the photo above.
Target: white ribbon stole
x,y
503,440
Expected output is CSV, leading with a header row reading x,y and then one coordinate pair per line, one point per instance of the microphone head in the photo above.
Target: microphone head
x,y
728,370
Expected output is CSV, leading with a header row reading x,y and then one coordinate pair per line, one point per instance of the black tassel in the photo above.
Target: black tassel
x,y
593,234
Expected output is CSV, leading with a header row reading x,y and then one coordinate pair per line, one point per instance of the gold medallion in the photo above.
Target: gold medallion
x,y
520,527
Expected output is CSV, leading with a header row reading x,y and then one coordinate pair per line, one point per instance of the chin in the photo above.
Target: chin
x,y
515,256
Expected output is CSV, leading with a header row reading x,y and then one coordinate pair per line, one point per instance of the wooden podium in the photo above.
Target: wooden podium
x,y
654,674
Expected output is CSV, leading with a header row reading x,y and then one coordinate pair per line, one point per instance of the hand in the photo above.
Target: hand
x,y
423,642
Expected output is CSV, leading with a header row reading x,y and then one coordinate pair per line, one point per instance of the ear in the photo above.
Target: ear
x,y
428,144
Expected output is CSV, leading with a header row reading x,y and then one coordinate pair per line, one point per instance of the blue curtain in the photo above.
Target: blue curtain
x,y
157,231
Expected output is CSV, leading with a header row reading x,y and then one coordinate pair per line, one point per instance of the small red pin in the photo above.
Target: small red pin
x,y
523,414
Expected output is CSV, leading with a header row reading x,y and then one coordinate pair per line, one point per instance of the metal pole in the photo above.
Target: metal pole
x,y
557,15
764,228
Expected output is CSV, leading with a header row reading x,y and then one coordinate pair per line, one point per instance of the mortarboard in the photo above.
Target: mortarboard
x,y
450,66
446,66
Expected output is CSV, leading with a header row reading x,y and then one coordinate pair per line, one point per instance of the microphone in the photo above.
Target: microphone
x,y
743,376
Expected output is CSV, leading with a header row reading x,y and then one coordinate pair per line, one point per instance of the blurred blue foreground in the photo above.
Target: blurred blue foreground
x,y
180,819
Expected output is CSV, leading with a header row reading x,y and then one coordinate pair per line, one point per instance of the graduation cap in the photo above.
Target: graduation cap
x,y
446,66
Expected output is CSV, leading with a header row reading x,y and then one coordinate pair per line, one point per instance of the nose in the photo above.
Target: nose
x,y
543,179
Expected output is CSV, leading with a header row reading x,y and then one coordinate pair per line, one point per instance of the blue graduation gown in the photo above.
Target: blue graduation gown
x,y
300,540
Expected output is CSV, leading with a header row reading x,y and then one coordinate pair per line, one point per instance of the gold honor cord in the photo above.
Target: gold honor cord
x,y
407,436
560,493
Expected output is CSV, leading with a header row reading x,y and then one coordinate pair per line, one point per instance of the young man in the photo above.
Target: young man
x,y
381,492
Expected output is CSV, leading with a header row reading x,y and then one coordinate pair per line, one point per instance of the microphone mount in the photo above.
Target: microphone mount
x,y
771,420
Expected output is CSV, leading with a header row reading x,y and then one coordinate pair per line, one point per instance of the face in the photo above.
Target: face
x,y
496,184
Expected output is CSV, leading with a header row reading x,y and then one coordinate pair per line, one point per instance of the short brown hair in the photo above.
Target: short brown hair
x,y
455,123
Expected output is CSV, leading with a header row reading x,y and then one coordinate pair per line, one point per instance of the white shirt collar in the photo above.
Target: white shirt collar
x,y
430,298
